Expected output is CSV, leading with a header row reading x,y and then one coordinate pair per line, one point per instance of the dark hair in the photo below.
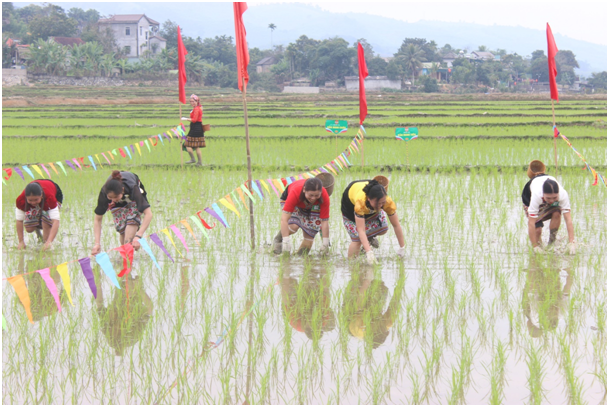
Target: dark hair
x,y
33,189
550,187
312,184
374,190
114,184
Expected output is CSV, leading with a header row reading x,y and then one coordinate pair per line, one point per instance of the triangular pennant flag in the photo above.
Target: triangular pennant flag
x,y
126,252
198,224
230,200
104,155
18,171
3,181
122,152
85,265
157,240
160,139
205,223
4,323
331,169
99,161
92,163
261,181
26,169
112,153
126,149
46,170
171,240
270,181
62,269
256,189
104,262
9,173
215,214
147,249
230,206
18,284
177,232
77,163
70,165
185,223
279,185
289,180
248,193
147,145
346,160
154,143
46,276
235,199
240,192
60,166
166,136
138,149
169,133
82,163
336,162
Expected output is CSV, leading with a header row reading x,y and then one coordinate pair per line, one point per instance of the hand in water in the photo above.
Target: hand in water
x,y
370,259
538,250
402,252
286,245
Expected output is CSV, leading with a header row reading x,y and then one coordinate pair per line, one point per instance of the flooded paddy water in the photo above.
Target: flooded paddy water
x,y
469,316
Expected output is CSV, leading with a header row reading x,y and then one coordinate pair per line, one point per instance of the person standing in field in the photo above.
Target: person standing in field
x,y
124,195
365,207
196,136
306,205
37,208
544,199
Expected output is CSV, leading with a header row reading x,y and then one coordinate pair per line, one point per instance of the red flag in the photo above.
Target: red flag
x,y
243,56
552,72
363,72
181,69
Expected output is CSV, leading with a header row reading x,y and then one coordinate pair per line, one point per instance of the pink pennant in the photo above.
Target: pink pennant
x,y
179,235
77,163
46,276
45,170
273,186
104,155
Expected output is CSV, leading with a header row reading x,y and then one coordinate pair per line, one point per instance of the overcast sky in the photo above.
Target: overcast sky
x,y
576,19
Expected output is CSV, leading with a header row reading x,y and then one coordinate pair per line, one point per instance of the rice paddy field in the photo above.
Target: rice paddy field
x,y
470,316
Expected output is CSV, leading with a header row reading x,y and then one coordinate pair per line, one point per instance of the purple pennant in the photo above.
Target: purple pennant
x,y
215,215
323,169
85,264
166,136
259,187
154,237
18,171
70,165
132,148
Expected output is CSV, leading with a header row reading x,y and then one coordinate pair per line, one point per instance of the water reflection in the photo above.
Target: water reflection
x,y
42,303
364,300
306,300
544,295
124,320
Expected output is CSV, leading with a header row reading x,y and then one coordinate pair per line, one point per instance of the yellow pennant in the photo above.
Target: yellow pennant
x,y
62,269
100,164
37,169
224,202
171,239
265,186
137,145
331,169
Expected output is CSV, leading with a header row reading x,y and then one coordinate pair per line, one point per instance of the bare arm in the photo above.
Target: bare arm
x,y
52,234
397,228
360,225
532,232
19,226
97,226
325,228
285,229
569,223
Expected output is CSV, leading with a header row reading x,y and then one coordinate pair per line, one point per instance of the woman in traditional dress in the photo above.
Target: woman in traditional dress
x,y
196,136
306,205
365,207
124,195
544,199
37,208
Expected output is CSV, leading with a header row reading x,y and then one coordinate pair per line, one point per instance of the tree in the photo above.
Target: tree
x,y
429,48
272,27
394,70
538,54
482,48
333,60
412,57
430,85
50,22
170,33
300,54
368,50
599,80
539,69
83,18
565,64
48,57
377,66
104,37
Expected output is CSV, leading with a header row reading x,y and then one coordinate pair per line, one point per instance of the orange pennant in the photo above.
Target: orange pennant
x,y
18,284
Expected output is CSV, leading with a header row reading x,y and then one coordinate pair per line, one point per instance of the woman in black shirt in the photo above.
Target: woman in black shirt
x,y
124,195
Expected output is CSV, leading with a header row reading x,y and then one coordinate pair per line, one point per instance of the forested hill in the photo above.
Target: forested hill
x,y
384,34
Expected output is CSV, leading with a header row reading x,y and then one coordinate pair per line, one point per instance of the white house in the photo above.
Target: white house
x,y
135,34
482,55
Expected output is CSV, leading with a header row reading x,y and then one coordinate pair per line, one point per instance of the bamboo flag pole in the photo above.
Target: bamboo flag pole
x,y
249,166
555,153
180,144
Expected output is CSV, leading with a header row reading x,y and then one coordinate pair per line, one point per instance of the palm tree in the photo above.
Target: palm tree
x,y
413,58
123,64
272,27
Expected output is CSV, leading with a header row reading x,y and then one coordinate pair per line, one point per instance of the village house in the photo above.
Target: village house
x,y
265,64
135,34
483,55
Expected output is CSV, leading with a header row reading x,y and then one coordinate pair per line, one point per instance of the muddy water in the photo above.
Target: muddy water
x,y
465,318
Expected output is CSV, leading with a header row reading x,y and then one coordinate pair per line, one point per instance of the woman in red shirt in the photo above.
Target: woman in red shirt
x,y
37,208
196,136
306,205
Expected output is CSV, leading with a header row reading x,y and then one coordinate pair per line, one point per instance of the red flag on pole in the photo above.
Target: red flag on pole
x,y
181,69
363,73
243,56
552,72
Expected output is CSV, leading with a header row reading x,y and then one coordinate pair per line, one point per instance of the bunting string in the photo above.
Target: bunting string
x,y
594,173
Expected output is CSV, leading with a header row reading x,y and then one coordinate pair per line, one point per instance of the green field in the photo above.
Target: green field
x,y
470,316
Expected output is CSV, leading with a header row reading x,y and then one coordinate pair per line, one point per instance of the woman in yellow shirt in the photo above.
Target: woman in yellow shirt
x,y
365,207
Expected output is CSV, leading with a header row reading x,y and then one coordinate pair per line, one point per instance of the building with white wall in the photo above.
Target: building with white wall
x,y
135,34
